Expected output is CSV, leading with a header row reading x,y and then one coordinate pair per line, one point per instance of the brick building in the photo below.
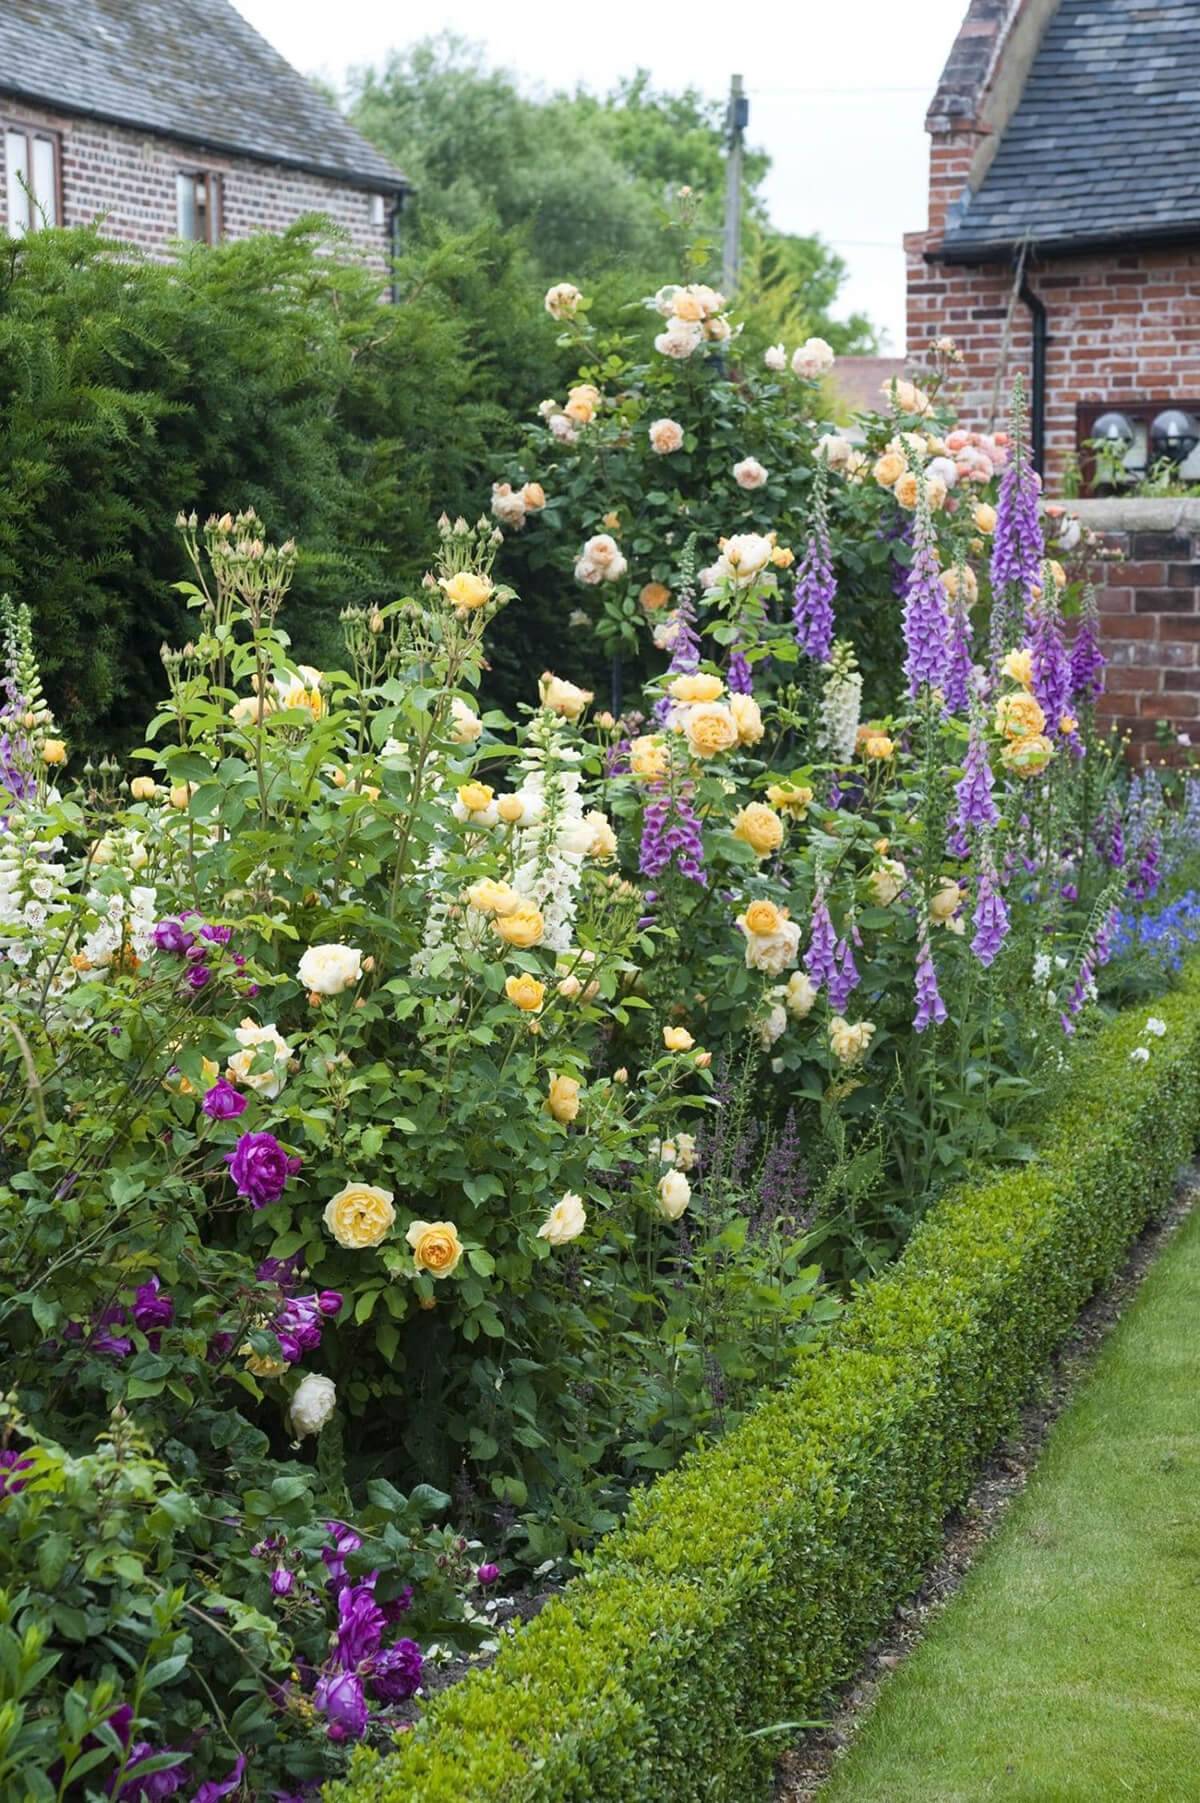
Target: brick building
x,y
1064,217
174,119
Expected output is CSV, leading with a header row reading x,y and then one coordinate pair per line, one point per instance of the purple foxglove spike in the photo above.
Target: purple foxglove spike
x,y
931,1009
738,677
990,918
926,628
821,962
957,687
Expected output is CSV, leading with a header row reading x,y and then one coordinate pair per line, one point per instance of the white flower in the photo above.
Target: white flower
x,y
674,1194
664,300
601,560
681,338
773,953
743,558
312,1405
329,969
566,1220
775,357
562,301
1070,532
772,1025
814,358
834,450
749,473
800,995
1156,1026
508,505
266,1082
666,436
465,725
942,469
562,428
1140,1055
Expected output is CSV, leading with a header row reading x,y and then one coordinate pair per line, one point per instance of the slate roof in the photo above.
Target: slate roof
x,y
1103,145
191,69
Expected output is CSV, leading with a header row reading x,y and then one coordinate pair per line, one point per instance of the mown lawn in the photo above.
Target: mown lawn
x,y
1068,1665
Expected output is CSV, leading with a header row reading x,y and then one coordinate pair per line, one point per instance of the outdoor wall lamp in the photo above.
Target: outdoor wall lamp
x,y
1116,429
1173,434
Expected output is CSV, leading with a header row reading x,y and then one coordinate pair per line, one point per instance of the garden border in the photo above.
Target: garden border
x,y
745,1586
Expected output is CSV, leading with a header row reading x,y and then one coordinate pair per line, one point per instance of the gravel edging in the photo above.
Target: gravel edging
x,y
803,1769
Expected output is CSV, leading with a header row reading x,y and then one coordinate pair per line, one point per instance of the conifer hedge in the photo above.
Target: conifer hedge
x,y
748,1583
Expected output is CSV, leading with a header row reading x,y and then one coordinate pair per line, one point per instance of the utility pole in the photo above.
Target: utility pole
x,y
736,121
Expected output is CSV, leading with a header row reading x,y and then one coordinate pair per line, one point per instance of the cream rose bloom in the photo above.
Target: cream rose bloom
x,y
849,1043
814,358
970,585
582,402
681,338
888,469
1018,666
563,698
467,590
749,473
143,788
565,1222
360,1215
772,1025
800,995
601,560
945,901
775,357
772,952
743,557
747,717
887,882
330,969
436,1247
674,1194
562,1099
834,450
697,687
488,896
791,798
562,300
649,757
465,724
1019,716
521,926
312,1404
710,728
603,843
508,505
265,1082
666,436
759,827
677,1039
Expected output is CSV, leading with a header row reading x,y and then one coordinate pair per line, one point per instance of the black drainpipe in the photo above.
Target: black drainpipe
x,y
1037,400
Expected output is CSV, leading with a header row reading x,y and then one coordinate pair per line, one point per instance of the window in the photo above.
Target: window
x,y
31,172
198,205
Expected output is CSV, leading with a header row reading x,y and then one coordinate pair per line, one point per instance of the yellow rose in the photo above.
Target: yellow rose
x,y
887,882
653,596
1057,571
522,926
759,827
566,1220
677,1039
487,896
849,1043
710,728
699,687
475,797
783,557
510,809
889,468
1018,666
143,788
649,757
360,1215
674,1194
603,845
563,698
1019,716
1028,755
685,305
262,1364
878,747
944,903
970,585
1067,725
985,518
562,1099
763,918
436,1247
180,795
790,798
747,718
54,751
907,490
466,590
582,402
534,497
526,992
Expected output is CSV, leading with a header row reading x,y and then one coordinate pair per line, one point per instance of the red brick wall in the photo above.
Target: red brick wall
x,y
129,176
1150,616
1121,327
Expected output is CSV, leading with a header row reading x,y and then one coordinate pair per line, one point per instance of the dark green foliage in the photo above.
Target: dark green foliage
x,y
264,373
747,1584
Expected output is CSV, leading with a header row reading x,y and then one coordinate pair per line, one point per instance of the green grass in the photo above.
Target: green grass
x,y
1067,1668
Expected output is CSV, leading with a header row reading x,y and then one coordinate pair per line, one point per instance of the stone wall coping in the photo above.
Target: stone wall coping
x,y
1139,513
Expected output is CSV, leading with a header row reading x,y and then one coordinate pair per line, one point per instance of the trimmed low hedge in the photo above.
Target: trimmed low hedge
x,y
748,1583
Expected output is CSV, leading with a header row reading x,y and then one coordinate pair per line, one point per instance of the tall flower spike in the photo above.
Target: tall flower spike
x,y
845,979
821,964
671,835
841,705
931,1009
957,687
1087,660
1017,543
976,811
990,918
1051,672
738,678
926,629
816,584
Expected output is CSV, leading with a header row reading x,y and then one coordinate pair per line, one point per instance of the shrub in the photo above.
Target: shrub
x,y
748,1583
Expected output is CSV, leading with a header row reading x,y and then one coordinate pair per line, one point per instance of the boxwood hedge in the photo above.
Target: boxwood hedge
x,y
746,1584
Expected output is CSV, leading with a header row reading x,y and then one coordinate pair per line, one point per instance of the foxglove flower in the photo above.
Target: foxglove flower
x,y
990,918
1087,660
1051,672
815,593
845,979
821,964
931,1009
1017,543
926,629
738,677
976,811
957,686
671,835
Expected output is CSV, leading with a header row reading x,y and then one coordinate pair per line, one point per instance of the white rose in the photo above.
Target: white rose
x,y
682,337
775,357
566,1220
800,994
674,1194
563,429
465,725
666,436
329,969
562,301
772,953
508,505
834,450
814,358
772,1025
266,1082
312,1404
749,473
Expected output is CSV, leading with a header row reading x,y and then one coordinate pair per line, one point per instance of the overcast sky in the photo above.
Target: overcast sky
x,y
838,91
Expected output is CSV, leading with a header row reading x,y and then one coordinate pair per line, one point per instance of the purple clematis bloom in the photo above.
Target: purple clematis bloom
x,y
260,1168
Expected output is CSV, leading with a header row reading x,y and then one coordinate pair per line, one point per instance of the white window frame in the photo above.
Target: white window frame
x,y
30,207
